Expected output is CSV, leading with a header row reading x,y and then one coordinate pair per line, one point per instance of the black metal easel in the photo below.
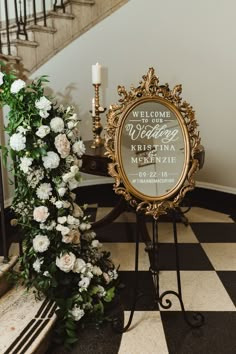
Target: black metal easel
x,y
153,251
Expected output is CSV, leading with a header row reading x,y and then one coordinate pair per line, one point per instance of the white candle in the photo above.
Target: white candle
x,y
96,73
93,107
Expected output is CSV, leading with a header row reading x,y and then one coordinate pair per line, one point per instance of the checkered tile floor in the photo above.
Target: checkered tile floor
x,y
207,250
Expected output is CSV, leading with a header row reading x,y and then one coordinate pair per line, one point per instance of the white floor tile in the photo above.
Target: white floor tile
x,y
165,233
205,215
201,291
123,254
145,336
221,255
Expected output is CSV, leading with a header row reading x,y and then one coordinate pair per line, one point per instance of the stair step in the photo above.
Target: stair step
x,y
4,268
26,323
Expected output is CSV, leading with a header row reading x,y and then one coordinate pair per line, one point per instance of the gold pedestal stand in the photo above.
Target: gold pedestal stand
x,y
97,126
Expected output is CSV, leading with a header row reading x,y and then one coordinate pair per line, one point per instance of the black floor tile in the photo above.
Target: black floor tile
x,y
228,278
216,336
214,232
146,291
117,232
191,257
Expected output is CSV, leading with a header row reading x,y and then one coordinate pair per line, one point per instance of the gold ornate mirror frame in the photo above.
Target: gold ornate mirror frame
x,y
153,143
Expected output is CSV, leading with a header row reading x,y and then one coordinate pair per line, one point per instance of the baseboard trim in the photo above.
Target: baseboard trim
x,y
216,187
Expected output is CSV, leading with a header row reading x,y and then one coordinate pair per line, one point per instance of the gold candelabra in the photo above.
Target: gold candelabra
x,y
97,126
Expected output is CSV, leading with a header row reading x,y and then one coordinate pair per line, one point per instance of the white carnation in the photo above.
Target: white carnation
x,y
25,163
42,131
57,125
41,243
44,191
51,160
17,142
17,85
77,313
79,148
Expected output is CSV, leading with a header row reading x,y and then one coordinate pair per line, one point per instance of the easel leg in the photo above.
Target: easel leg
x,y
198,318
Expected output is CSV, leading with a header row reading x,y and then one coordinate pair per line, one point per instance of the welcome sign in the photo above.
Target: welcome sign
x,y
151,140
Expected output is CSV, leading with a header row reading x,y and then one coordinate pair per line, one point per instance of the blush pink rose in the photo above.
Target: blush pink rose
x,y
62,145
40,213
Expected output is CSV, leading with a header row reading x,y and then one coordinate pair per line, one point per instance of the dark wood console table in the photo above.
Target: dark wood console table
x,y
94,162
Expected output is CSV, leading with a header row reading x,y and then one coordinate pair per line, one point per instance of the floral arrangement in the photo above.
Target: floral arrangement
x,y
62,258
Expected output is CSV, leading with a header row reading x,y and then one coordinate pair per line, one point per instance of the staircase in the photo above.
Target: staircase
x,y
27,42
31,40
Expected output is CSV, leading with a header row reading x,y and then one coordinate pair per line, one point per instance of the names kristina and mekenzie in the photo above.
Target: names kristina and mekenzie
x,y
148,153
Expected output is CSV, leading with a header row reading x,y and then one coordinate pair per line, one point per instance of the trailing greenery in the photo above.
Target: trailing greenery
x,y
62,259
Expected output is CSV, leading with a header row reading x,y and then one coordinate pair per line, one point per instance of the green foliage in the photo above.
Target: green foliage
x,y
62,259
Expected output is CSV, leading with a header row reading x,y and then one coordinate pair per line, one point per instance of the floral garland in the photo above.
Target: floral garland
x,y
62,259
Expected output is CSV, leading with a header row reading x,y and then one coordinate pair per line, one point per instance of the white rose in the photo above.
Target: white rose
x,y
40,213
42,131
79,266
57,124
41,243
17,85
66,262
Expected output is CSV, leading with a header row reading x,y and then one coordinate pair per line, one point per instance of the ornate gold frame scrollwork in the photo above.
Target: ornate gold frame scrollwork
x,y
149,89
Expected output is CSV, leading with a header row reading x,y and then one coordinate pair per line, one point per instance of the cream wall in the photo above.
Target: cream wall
x,y
187,42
